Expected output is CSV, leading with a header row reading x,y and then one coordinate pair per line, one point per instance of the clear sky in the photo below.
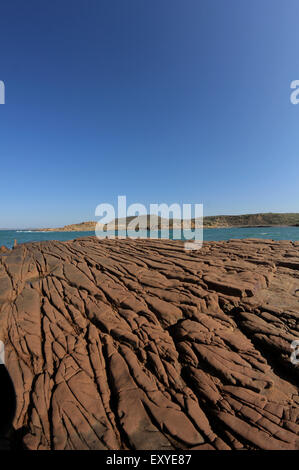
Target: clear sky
x,y
183,101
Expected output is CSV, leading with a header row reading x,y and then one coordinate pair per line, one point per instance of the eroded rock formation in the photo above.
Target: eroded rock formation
x,y
122,344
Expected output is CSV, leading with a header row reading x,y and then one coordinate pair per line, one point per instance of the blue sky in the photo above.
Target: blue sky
x,y
161,101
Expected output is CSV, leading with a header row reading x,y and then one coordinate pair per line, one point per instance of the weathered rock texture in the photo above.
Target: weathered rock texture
x,y
122,344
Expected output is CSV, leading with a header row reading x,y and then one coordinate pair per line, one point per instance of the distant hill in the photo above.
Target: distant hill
x,y
81,227
216,221
252,220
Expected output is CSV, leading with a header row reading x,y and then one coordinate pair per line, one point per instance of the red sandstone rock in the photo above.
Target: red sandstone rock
x,y
122,344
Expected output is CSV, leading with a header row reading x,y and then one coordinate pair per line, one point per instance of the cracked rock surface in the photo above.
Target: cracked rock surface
x,y
139,344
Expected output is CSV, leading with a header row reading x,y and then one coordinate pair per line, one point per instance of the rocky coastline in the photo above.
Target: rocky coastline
x,y
139,344
154,222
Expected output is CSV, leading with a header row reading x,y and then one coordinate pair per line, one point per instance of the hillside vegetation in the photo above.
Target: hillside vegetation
x,y
245,220
252,220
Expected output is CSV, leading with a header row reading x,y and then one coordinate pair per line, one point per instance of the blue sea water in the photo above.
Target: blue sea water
x,y
7,237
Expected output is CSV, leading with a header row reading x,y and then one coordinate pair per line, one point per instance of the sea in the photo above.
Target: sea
x,y
7,237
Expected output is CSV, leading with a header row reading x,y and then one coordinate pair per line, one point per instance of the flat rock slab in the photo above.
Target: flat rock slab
x,y
139,344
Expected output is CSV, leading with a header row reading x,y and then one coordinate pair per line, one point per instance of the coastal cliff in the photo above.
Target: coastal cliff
x,y
217,221
138,344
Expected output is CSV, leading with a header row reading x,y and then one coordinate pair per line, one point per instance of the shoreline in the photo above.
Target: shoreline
x,y
209,234
154,229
